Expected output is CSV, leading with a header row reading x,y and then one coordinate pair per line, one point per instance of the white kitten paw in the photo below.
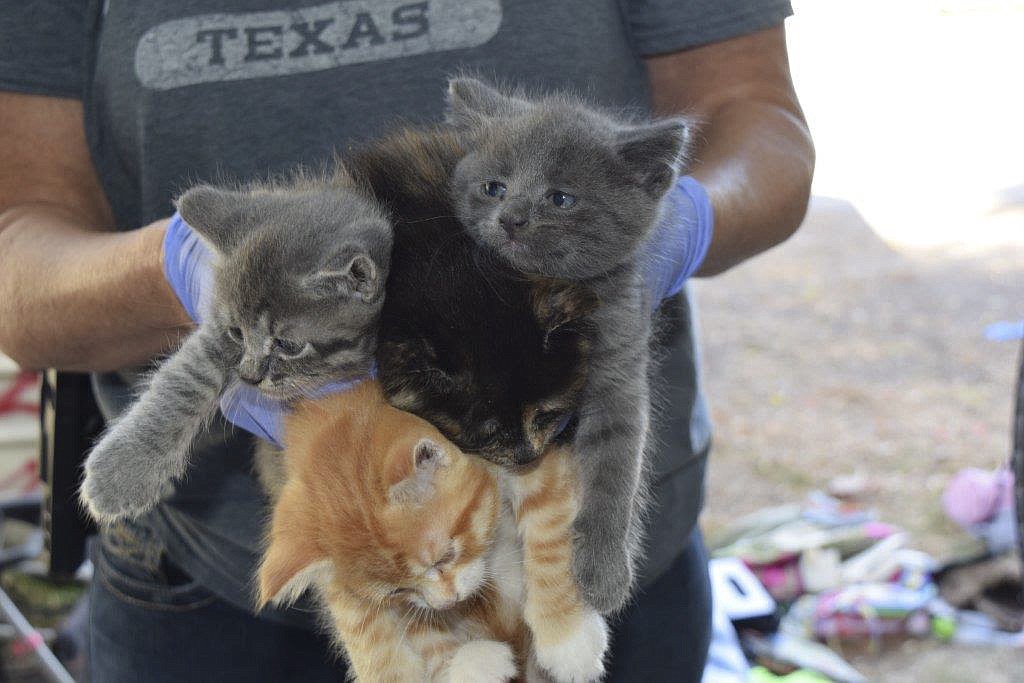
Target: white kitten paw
x,y
580,657
482,661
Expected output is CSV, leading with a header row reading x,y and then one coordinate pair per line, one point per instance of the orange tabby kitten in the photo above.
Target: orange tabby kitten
x,y
432,565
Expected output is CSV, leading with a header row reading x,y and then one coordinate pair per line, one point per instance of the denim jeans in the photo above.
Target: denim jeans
x,y
151,623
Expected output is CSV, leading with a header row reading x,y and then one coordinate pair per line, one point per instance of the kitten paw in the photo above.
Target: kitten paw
x,y
603,567
482,661
120,482
580,657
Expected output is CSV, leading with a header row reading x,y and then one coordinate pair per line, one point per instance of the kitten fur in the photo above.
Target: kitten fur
x,y
407,544
555,188
298,274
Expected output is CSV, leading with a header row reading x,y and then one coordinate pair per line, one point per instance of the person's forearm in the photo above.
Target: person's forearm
x,y
78,299
756,166
753,151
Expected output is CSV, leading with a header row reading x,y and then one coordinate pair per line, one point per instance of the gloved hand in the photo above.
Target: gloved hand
x,y
188,268
680,241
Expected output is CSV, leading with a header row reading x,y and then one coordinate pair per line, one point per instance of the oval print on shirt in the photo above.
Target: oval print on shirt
x,y
229,47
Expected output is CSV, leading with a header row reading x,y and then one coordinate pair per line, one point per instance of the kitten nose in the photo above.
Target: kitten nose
x,y
523,454
252,370
250,377
512,220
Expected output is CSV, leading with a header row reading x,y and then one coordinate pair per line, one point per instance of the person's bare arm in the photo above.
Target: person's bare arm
x,y
754,153
73,295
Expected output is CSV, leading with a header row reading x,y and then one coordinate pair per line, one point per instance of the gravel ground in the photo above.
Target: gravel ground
x,y
837,354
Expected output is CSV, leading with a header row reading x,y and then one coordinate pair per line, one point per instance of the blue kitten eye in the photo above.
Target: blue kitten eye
x,y
492,188
562,200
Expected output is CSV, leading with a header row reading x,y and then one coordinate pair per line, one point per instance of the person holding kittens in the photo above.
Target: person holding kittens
x,y
112,108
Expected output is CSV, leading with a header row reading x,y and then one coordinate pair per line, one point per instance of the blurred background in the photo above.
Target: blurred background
x,y
854,359
870,359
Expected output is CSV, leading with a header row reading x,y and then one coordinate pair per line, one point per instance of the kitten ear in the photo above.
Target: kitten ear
x,y
349,276
213,213
472,103
655,152
560,306
292,562
427,458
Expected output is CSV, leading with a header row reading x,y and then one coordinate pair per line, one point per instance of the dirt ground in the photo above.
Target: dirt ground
x,y
837,354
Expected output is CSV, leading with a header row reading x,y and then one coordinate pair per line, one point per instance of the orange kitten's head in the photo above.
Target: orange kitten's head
x,y
379,504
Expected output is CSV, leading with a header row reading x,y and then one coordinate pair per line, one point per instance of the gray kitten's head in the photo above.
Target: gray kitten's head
x,y
298,282
555,187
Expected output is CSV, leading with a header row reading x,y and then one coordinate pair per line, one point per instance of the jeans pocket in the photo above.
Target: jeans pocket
x,y
140,584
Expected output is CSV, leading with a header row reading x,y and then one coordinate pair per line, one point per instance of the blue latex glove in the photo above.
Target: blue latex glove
x,y
679,244
187,263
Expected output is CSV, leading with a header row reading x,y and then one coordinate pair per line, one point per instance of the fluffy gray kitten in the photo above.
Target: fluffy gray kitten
x,y
558,189
298,284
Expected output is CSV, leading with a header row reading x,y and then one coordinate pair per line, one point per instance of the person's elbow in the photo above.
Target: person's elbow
x,y
17,340
800,175
784,167
14,342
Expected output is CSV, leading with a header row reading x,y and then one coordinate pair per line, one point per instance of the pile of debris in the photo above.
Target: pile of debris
x,y
796,585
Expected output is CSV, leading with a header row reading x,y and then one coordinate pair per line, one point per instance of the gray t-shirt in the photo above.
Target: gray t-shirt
x,y
179,90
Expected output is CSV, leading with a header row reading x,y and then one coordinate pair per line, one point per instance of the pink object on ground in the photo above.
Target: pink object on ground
x,y
878,530
974,495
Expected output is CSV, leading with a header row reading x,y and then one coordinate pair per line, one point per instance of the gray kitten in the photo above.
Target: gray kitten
x,y
298,284
558,189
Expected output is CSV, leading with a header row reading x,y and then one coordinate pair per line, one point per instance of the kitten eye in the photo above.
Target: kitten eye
x,y
447,558
235,333
562,200
547,418
291,349
398,592
492,188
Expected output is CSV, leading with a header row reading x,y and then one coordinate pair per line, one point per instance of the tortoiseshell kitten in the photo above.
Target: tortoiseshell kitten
x,y
495,360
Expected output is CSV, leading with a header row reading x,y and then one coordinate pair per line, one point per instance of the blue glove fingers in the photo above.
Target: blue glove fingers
x,y
680,242
244,406
187,262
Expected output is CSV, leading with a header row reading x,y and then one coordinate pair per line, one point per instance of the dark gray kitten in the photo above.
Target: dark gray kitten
x,y
298,284
558,189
